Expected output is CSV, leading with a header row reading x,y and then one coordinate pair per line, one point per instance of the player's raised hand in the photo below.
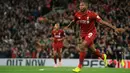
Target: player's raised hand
x,y
65,28
68,25
52,38
119,30
59,39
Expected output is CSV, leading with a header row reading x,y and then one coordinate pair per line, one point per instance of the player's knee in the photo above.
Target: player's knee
x,y
54,53
81,47
82,50
84,43
59,53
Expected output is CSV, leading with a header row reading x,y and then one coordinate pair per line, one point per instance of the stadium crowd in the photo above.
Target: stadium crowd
x,y
26,22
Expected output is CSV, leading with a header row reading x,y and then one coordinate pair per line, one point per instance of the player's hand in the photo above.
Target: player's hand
x,y
59,39
65,28
51,38
119,30
69,25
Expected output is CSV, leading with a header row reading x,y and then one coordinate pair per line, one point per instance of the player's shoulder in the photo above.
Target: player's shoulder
x,y
90,12
53,31
77,13
61,30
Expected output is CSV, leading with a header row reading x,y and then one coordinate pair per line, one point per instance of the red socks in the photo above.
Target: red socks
x,y
81,59
97,52
55,59
118,65
60,59
83,54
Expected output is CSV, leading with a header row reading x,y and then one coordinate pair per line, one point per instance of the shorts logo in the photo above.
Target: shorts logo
x,y
90,35
88,20
79,17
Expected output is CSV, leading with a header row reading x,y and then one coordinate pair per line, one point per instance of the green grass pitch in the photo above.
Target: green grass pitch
x,y
40,69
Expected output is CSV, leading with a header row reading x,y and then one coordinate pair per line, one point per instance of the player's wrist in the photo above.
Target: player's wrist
x,y
114,28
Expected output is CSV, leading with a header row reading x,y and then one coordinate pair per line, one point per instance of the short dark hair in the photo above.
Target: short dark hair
x,y
85,2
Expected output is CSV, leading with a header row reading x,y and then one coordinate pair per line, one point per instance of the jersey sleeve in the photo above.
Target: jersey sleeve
x,y
96,16
62,33
75,17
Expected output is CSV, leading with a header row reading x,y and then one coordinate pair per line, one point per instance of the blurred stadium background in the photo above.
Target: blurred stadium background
x,y
23,23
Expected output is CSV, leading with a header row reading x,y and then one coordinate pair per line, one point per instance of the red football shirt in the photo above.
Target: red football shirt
x,y
86,21
58,34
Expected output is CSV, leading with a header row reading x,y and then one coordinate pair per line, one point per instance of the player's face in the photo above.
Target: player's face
x,y
82,7
57,26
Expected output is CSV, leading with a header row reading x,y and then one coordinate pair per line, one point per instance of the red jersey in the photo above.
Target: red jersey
x,y
58,34
86,21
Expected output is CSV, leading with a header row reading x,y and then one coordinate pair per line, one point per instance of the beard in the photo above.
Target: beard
x,y
56,28
83,10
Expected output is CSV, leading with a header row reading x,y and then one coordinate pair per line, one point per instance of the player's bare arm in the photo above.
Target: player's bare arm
x,y
69,24
38,43
61,39
52,38
118,30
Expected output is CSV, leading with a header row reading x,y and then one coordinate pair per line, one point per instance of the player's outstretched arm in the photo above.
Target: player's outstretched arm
x,y
69,24
61,39
118,30
38,43
52,38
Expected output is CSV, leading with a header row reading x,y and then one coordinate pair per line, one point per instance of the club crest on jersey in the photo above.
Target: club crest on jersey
x,y
79,17
86,21
57,35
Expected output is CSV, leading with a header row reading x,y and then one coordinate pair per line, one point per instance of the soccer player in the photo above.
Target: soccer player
x,y
86,19
57,37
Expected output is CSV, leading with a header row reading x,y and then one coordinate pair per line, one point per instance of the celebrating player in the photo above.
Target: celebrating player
x,y
57,37
86,19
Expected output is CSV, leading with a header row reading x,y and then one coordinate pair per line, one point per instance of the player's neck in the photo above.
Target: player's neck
x,y
83,11
56,29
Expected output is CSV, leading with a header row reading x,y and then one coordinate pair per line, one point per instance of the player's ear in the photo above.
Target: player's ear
x,y
87,4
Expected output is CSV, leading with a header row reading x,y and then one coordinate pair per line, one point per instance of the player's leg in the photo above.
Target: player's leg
x,y
59,50
82,49
60,56
90,42
97,53
86,42
55,57
54,45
